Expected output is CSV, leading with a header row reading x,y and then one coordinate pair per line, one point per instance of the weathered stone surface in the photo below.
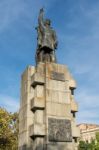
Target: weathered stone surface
x,y
37,103
24,137
37,79
37,130
57,76
25,114
39,117
60,146
23,147
75,130
38,143
58,109
39,91
25,123
72,83
50,67
40,68
55,85
50,123
74,106
59,130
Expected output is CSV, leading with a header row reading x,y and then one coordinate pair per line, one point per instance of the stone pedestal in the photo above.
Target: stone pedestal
x,y
48,109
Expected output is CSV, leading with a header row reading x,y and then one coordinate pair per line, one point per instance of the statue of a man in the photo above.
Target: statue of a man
x,y
47,40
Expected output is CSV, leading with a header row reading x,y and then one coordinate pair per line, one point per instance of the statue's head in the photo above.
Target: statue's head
x,y
47,22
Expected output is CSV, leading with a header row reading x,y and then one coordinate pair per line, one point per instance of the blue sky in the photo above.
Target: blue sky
x,y
77,25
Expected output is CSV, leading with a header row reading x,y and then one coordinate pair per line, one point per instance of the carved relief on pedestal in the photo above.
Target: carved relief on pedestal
x,y
59,130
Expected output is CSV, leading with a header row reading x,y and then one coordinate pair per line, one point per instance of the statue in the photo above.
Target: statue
x,y
47,40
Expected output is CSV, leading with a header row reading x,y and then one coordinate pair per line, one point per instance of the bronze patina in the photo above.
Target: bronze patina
x,y
46,40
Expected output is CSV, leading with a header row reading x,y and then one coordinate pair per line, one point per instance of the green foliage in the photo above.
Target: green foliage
x,y
97,141
81,145
86,146
93,145
8,130
97,136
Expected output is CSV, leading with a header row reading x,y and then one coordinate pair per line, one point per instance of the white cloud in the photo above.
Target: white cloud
x,y
10,103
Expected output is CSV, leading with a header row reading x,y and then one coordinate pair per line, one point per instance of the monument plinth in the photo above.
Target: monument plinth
x,y
47,110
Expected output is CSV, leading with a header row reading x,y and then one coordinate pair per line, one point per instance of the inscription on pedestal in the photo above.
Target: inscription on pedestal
x,y
57,76
59,130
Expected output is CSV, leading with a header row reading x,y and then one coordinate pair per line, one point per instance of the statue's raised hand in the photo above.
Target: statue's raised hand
x,y
41,10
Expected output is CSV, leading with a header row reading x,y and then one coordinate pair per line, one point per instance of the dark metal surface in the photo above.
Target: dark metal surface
x,y
46,40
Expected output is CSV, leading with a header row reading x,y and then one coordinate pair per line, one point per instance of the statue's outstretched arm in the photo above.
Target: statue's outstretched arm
x,y
40,19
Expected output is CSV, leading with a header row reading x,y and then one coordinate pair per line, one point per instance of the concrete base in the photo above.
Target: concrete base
x,y
47,111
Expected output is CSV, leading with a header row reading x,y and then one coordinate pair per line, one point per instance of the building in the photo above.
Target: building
x,y
88,131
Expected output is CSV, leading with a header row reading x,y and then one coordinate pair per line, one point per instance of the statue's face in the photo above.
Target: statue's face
x,y
47,22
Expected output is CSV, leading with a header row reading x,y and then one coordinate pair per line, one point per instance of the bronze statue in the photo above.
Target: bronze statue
x,y
47,40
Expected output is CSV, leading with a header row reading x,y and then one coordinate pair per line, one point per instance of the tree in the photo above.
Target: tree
x,y
85,146
93,145
97,141
8,130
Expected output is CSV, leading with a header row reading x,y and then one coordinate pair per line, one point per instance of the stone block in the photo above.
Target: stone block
x,y
37,130
75,130
37,103
25,112
26,93
30,70
26,79
67,85
24,137
58,110
37,79
25,123
72,84
64,97
55,85
25,142
58,96
39,117
40,69
39,91
38,143
60,146
74,106
52,96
